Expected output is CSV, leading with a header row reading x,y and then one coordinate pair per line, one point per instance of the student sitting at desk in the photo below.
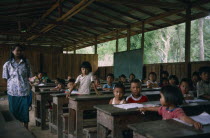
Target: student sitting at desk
x,y
171,99
60,86
136,96
185,89
203,86
119,91
152,83
70,86
97,83
85,80
109,86
122,79
164,82
195,79
173,80
131,77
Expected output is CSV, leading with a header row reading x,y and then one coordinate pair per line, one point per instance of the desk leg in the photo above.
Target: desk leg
x,y
37,112
102,131
116,132
71,121
43,112
79,123
59,120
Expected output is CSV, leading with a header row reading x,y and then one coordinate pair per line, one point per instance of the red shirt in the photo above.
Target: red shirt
x,y
141,99
169,114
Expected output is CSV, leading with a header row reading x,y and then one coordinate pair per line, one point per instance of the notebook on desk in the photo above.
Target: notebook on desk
x,y
203,118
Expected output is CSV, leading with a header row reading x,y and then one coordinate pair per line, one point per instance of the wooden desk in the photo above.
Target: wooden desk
x,y
36,88
40,104
167,129
116,119
57,110
77,105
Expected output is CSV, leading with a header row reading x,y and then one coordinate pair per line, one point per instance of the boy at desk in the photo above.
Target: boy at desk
x,y
136,96
109,86
203,86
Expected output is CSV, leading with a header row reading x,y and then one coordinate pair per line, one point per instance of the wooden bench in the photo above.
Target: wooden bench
x,y
90,132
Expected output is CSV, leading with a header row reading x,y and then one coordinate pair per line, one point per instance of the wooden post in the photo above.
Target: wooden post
x,y
187,39
74,49
142,41
187,34
96,42
117,41
128,38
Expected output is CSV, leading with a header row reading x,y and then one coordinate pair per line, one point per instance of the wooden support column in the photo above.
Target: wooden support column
x,y
128,38
187,34
74,49
117,41
96,44
187,39
142,41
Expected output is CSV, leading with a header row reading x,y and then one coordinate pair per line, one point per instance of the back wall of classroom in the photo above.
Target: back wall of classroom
x,y
50,60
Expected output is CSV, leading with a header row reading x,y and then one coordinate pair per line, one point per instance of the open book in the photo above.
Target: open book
x,y
203,118
133,105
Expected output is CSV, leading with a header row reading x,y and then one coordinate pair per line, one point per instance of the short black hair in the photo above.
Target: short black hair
x,y
164,72
204,69
172,95
111,75
71,80
132,75
86,65
152,73
174,77
61,81
123,76
196,74
120,85
187,81
136,81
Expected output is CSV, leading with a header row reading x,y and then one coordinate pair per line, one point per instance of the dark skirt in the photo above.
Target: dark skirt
x,y
18,106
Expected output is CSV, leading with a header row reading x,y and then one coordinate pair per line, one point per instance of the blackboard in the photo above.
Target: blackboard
x,y
128,62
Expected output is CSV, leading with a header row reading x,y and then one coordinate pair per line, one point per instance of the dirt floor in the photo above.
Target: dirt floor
x,y
36,131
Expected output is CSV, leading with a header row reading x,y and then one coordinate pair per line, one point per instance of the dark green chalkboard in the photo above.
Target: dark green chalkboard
x,y
128,62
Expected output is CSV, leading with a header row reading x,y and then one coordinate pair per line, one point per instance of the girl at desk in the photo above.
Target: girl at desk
x,y
119,91
84,81
171,99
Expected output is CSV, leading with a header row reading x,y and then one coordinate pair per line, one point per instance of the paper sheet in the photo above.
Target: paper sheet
x,y
203,118
196,101
133,105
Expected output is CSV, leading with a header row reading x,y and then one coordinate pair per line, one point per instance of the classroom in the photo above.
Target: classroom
x,y
104,68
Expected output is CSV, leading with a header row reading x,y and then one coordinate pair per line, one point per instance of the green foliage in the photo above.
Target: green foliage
x,y
162,45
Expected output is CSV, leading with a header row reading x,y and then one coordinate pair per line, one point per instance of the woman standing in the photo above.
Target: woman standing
x,y
16,71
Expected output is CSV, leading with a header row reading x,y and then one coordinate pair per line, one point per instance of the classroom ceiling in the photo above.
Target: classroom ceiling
x,y
80,23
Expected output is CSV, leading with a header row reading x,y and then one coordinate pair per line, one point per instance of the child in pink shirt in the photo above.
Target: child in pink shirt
x,y
171,98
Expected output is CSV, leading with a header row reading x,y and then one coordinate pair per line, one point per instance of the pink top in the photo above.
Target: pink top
x,y
169,114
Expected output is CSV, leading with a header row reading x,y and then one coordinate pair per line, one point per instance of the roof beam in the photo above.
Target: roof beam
x,y
45,14
80,6
154,3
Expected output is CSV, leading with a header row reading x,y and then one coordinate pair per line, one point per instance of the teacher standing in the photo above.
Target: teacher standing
x,y
17,71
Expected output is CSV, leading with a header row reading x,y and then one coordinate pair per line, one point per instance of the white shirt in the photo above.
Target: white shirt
x,y
84,83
